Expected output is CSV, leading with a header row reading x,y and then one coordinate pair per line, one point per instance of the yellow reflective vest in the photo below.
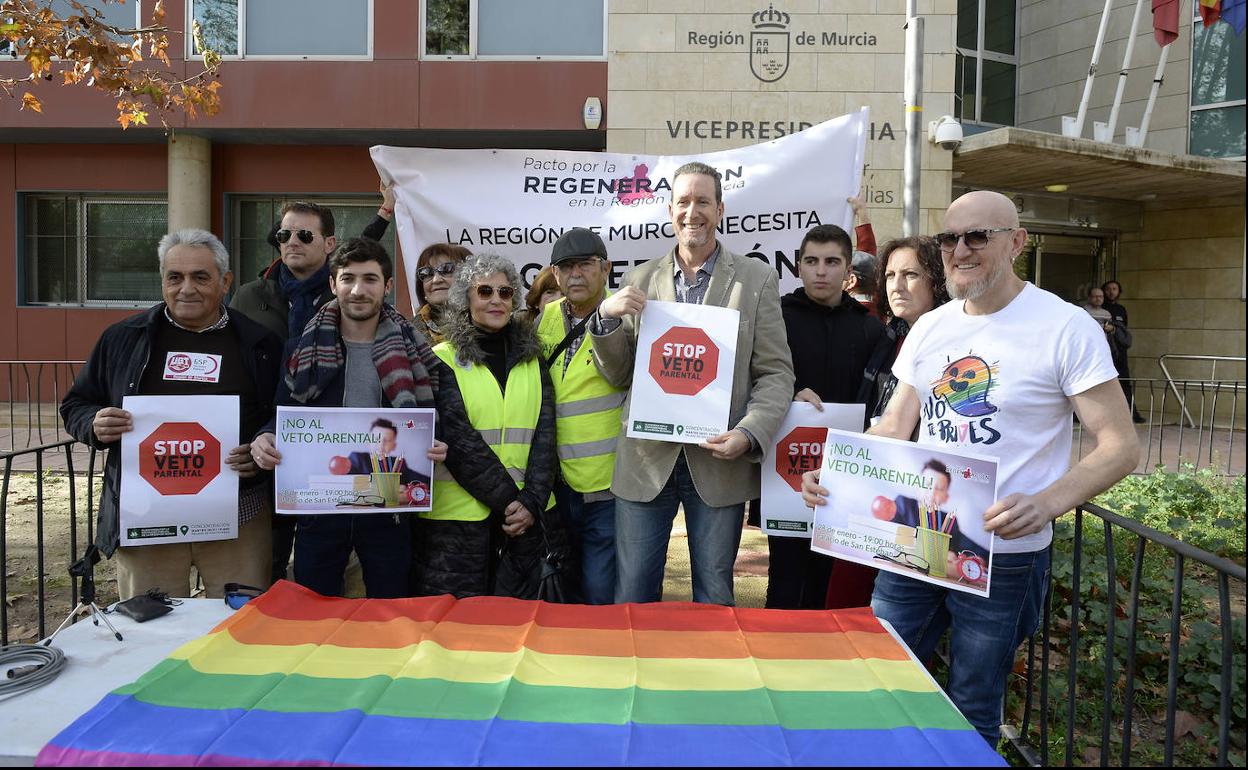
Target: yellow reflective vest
x,y
507,422
587,409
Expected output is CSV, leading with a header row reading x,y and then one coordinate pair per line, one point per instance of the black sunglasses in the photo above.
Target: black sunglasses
x,y
446,268
238,594
485,291
974,239
304,235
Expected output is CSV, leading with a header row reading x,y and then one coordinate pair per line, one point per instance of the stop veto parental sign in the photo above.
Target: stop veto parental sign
x,y
179,458
682,373
683,361
175,483
798,452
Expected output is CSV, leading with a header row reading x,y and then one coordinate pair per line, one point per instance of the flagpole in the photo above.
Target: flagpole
x,y
1075,129
1122,74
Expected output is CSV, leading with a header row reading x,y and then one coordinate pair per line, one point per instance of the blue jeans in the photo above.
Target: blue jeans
x,y
592,526
986,633
382,541
642,532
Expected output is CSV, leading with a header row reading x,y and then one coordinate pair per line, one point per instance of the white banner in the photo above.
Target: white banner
x,y
175,485
799,448
907,508
682,373
517,202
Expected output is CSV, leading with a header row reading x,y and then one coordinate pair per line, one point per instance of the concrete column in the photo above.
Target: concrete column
x,y
190,182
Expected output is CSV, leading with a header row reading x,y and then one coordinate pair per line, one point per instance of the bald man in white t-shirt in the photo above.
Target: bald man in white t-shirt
x,y
998,371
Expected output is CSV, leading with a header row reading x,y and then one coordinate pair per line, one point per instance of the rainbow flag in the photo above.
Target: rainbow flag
x,y
297,678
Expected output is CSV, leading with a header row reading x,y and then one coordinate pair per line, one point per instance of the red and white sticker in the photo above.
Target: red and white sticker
x,y
192,367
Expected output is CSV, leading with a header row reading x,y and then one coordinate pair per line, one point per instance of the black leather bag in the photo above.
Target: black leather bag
x,y
533,568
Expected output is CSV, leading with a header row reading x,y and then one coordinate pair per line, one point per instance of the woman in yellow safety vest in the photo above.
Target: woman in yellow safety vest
x,y
497,411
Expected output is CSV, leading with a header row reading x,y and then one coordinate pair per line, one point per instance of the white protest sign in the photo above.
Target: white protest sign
x,y
175,485
518,202
907,508
798,449
682,375
352,460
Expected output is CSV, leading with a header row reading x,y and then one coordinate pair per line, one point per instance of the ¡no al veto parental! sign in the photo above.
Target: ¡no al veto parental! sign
x,y
682,377
175,485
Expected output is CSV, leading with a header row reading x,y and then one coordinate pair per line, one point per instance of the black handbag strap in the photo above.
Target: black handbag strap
x,y
569,338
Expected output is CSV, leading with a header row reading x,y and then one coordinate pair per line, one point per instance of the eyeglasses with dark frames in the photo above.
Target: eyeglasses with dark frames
x,y
446,268
974,239
485,291
903,558
363,501
306,236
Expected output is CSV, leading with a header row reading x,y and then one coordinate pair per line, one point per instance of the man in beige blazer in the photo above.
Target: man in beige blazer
x,y
712,480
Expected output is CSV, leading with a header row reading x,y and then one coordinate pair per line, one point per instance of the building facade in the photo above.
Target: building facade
x,y
308,85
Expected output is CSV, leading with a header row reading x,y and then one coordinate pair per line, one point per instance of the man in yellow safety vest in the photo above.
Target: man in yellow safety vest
x,y
587,411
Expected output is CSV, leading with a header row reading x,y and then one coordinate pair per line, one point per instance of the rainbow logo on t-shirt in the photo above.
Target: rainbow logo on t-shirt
x,y
965,384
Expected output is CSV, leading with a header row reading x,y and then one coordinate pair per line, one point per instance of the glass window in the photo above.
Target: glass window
x,y
986,78
1217,64
97,250
218,25
1218,133
968,24
306,27
518,28
122,15
446,28
998,106
539,28
999,26
327,28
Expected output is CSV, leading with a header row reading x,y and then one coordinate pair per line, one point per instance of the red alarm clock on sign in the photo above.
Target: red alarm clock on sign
x,y
971,567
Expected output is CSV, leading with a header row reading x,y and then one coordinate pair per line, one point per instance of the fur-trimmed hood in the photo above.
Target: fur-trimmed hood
x,y
522,342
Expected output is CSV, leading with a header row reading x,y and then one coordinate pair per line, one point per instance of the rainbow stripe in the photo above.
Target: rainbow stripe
x,y
296,678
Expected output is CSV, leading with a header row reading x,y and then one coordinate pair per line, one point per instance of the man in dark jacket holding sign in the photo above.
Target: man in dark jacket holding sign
x,y
141,356
832,337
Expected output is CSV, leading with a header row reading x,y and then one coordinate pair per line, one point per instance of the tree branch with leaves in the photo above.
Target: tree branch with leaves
x,y
84,49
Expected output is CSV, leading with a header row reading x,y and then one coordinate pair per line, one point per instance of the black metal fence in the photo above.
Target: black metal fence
x,y
31,391
1196,422
40,533
1116,634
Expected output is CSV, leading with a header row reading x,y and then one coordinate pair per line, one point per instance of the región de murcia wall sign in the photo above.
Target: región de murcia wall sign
x,y
771,40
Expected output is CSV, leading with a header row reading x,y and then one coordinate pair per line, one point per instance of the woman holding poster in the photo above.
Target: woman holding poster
x,y
491,381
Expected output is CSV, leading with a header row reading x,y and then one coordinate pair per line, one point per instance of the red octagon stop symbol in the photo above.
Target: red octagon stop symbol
x,y
798,452
683,361
179,458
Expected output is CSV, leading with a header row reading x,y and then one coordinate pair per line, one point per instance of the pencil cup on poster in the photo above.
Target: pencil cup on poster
x,y
386,485
933,546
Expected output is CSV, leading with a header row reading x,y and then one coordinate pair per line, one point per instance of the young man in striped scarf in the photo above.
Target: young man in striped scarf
x,y
357,352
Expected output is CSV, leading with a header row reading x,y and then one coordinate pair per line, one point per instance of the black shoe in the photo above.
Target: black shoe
x,y
1138,418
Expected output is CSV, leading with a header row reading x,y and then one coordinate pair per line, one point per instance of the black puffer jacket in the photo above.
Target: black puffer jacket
x,y
462,558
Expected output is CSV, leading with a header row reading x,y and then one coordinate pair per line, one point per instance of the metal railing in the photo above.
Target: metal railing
x,y
1212,437
1120,680
35,466
32,392
1164,361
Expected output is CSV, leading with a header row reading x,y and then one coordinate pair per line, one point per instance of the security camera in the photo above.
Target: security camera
x,y
946,132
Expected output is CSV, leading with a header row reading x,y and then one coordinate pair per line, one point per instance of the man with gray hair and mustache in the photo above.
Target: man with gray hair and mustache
x,y
134,357
998,371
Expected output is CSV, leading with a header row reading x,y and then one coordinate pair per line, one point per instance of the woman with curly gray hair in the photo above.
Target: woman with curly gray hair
x,y
490,513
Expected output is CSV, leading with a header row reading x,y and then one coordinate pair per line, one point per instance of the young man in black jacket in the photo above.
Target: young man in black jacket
x,y
132,358
831,336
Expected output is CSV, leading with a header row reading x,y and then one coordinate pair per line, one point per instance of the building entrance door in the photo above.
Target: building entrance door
x,y
1067,265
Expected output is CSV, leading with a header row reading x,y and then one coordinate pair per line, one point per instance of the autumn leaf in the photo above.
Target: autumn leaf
x,y
31,101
